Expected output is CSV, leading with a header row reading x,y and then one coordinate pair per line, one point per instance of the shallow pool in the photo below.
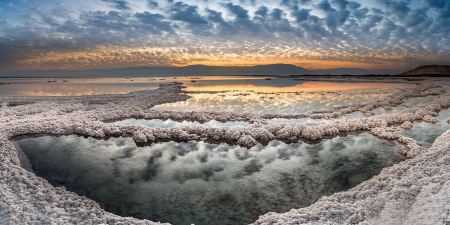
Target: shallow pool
x,y
258,103
426,133
201,183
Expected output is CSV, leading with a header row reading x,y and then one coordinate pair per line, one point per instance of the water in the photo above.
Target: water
x,y
201,183
171,123
419,100
74,86
407,103
122,85
426,133
287,103
380,111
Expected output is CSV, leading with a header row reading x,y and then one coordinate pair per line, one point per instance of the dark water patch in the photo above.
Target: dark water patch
x,y
201,183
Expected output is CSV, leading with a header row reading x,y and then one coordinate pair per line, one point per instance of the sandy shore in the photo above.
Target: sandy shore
x,y
415,191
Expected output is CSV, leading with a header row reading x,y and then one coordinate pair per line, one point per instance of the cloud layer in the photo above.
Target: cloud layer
x,y
313,34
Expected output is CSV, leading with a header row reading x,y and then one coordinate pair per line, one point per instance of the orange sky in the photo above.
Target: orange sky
x,y
120,57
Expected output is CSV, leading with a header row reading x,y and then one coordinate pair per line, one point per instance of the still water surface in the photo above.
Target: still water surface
x,y
252,102
122,85
426,133
201,183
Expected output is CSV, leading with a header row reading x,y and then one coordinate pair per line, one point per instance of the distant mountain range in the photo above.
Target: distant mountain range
x,y
198,70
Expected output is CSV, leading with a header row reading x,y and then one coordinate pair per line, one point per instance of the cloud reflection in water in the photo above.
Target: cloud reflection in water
x,y
203,183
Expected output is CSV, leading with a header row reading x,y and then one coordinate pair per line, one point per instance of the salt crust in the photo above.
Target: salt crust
x,y
412,192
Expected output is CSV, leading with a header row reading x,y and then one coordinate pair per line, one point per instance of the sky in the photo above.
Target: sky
x,y
105,34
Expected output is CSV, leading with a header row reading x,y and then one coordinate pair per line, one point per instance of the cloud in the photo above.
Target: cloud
x,y
152,4
153,22
301,15
325,6
276,14
341,3
353,5
242,31
442,7
237,10
370,22
262,11
119,4
215,16
399,8
187,13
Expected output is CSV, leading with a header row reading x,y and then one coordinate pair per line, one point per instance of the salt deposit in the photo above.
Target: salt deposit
x,y
407,125
411,192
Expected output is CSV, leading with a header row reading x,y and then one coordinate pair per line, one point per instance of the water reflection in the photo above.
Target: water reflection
x,y
285,85
200,183
290,103
381,111
172,123
73,89
122,85
419,100
426,133
410,102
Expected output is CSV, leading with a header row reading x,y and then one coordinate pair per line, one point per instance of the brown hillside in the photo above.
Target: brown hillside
x,y
429,70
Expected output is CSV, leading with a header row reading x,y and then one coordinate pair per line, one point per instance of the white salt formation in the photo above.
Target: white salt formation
x,y
430,119
412,192
407,125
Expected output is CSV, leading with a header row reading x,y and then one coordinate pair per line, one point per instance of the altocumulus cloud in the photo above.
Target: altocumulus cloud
x,y
124,33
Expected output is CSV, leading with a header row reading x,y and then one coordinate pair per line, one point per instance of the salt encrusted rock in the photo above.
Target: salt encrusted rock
x,y
430,119
140,136
262,134
384,132
233,134
247,140
407,125
367,113
288,131
413,148
311,132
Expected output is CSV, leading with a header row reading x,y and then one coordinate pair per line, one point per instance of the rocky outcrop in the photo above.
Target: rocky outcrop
x,y
429,70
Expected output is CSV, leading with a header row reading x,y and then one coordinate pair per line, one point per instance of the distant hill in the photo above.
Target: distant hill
x,y
197,70
431,70
355,71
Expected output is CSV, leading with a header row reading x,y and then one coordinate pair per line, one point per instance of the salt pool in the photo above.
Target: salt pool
x,y
201,183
